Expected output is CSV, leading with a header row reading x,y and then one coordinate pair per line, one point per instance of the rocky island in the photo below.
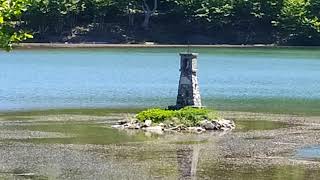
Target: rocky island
x,y
188,115
184,120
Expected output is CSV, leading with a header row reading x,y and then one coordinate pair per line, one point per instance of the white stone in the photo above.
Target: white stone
x,y
162,125
154,129
118,126
148,123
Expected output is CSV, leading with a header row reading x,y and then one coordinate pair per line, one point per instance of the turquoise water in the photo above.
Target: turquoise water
x,y
237,79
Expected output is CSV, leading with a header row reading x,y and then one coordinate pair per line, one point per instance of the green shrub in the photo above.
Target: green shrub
x,y
188,116
192,116
156,115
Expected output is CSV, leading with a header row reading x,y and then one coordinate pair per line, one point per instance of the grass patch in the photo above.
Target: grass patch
x,y
188,116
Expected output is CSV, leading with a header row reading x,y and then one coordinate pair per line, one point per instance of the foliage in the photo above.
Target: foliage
x,y
156,115
188,116
192,116
10,11
299,21
220,21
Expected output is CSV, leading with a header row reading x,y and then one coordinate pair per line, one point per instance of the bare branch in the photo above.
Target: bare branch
x,y
143,8
155,6
146,6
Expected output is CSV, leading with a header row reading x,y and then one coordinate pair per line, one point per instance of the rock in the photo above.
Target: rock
x,y
138,126
118,126
222,124
133,121
217,125
196,129
204,122
173,128
181,127
162,125
147,123
209,126
132,126
154,129
226,124
122,122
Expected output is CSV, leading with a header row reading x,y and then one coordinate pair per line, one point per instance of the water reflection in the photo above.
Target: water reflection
x,y
187,159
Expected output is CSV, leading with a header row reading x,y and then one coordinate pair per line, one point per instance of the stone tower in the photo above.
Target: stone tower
x,y
188,93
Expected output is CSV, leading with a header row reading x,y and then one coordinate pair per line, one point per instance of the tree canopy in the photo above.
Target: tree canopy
x,y
10,11
290,22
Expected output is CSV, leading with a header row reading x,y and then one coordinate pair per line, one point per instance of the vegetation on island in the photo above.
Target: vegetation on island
x,y
187,116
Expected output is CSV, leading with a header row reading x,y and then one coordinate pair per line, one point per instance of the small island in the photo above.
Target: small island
x,y
188,115
188,119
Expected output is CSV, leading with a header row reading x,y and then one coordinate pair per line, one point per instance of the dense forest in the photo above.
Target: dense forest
x,y
284,22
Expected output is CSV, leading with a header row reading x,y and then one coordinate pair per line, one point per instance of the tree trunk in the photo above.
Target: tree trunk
x,y
148,13
146,21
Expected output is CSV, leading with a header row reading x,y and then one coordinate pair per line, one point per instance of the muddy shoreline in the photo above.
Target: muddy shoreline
x,y
235,153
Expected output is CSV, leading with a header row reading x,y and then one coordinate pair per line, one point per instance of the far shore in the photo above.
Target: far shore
x,y
146,45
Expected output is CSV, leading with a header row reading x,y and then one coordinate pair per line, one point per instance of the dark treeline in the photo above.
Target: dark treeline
x,y
289,22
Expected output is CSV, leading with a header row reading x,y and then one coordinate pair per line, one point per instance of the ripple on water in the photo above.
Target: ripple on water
x,y
274,80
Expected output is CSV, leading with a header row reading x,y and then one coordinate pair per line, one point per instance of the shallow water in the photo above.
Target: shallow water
x,y
81,133
312,152
88,132
266,79
256,125
92,150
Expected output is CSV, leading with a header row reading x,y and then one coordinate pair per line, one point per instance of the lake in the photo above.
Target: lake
x,y
245,79
78,143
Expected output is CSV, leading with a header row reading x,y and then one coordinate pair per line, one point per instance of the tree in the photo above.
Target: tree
x,y
298,25
10,11
148,12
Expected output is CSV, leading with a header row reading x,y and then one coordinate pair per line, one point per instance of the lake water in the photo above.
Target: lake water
x,y
261,79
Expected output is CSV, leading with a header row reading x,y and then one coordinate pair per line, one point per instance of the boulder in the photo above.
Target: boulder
x,y
196,129
209,126
154,129
147,123
132,126
122,122
226,124
162,125
118,126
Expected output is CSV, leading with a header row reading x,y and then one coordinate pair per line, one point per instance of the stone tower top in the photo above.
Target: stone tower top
x,y
188,93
